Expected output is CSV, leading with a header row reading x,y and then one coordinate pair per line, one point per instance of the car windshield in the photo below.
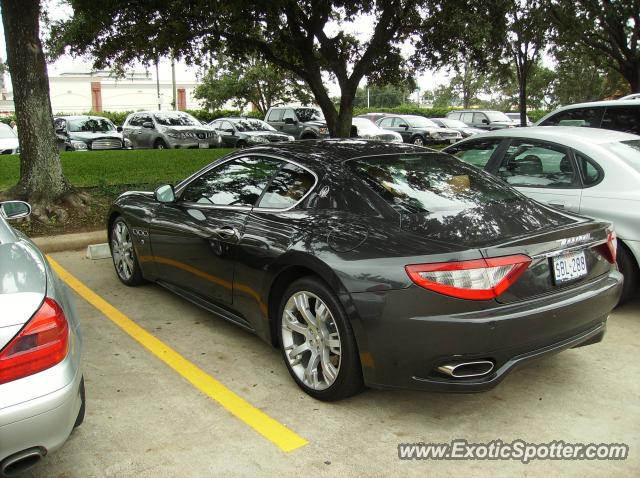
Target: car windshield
x,y
364,125
252,125
628,151
90,125
452,123
309,114
430,183
6,132
420,122
176,119
496,116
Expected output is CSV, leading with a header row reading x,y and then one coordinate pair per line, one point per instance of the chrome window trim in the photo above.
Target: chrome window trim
x,y
181,187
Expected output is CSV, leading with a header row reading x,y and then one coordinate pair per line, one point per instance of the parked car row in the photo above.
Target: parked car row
x,y
177,129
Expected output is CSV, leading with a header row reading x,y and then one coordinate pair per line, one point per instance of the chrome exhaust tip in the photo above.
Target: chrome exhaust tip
x,y
477,368
21,461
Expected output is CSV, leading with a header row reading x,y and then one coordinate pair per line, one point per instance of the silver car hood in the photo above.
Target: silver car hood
x,y
23,286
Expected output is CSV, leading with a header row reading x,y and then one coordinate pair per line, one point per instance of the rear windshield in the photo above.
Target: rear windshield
x,y
629,152
428,183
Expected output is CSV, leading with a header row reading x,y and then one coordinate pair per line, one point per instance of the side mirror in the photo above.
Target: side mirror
x,y
15,209
119,129
405,126
485,121
147,124
165,194
289,121
60,131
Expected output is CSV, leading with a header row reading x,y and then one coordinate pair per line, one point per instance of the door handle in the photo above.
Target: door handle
x,y
558,204
226,232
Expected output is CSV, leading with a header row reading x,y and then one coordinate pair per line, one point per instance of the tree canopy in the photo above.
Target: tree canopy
x,y
301,37
254,82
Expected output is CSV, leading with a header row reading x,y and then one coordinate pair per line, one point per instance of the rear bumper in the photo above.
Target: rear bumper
x,y
402,349
46,421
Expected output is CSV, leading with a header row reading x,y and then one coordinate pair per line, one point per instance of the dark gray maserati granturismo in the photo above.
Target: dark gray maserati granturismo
x,y
371,263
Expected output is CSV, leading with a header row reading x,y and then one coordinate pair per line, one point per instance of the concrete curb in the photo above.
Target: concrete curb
x,y
69,242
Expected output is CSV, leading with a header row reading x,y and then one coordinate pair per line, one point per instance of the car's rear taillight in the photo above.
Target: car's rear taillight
x,y
609,250
478,279
40,345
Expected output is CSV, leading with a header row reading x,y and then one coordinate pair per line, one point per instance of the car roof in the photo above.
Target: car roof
x,y
598,103
319,152
567,135
472,111
81,117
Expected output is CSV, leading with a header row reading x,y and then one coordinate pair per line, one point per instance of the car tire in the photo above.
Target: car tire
x,y
124,255
418,141
629,269
83,399
160,144
327,366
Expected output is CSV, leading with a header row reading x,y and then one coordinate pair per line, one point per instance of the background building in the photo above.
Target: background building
x,y
82,91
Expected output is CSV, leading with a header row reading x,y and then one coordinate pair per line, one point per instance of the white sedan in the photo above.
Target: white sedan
x,y
367,129
593,172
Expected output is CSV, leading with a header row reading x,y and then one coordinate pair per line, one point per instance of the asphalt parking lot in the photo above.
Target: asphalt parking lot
x,y
145,419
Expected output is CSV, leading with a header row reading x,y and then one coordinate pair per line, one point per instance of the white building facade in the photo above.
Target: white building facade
x,y
80,92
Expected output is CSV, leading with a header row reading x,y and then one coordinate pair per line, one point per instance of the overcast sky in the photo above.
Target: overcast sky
x,y
66,64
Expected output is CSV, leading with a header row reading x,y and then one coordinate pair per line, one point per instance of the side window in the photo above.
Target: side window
x,y
537,164
289,113
59,124
235,183
479,117
589,117
467,118
590,173
144,118
455,115
622,118
477,153
289,185
400,123
226,126
275,115
135,120
386,123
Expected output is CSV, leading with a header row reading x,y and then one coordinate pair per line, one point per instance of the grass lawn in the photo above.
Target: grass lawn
x,y
106,168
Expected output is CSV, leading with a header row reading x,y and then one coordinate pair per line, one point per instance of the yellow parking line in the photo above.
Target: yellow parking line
x,y
269,428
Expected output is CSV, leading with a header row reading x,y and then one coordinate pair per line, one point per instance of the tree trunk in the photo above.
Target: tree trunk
x,y
41,177
522,106
345,116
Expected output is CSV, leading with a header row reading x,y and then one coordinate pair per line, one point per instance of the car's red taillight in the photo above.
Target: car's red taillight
x,y
478,279
40,345
610,250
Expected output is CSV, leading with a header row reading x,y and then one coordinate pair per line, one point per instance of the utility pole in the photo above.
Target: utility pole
x,y
158,85
173,83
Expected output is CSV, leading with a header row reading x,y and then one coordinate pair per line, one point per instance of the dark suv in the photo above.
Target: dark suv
x,y
618,115
74,133
301,122
483,119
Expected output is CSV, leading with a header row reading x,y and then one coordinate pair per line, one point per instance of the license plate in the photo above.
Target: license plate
x,y
203,145
569,266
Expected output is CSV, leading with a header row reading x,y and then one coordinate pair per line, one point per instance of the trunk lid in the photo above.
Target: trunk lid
x,y
576,247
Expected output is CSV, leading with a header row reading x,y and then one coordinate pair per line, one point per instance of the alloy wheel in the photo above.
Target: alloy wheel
x,y
122,250
311,340
418,141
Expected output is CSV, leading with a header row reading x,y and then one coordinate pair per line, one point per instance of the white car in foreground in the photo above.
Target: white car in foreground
x,y
594,172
